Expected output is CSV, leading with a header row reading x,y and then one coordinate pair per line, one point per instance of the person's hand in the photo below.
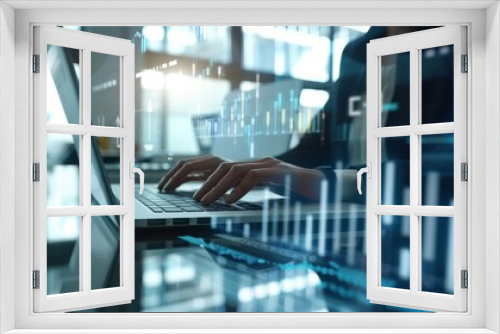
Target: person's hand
x,y
195,169
244,176
221,176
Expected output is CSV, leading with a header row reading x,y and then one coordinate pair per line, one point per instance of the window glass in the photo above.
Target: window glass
x,y
395,171
437,267
105,252
63,170
63,260
437,169
105,89
63,101
105,177
395,89
437,69
395,245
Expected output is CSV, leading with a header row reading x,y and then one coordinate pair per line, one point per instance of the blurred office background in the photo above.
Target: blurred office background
x,y
243,93
203,83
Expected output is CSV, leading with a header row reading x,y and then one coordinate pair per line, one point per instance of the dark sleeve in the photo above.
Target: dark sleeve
x,y
313,149
330,146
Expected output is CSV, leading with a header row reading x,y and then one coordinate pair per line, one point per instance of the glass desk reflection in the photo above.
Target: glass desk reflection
x,y
231,267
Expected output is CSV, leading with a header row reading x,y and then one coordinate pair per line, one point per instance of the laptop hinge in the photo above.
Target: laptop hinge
x,y
464,172
36,279
36,172
36,63
465,64
465,279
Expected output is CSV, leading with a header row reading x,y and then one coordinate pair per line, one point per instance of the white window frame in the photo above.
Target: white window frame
x,y
414,44
483,101
123,50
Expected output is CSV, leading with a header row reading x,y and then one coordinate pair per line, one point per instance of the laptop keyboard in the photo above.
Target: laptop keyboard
x,y
183,202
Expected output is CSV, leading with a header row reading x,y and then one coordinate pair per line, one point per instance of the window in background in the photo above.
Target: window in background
x,y
213,41
301,52
182,78
341,37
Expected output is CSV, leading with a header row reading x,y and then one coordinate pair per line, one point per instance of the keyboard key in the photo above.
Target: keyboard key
x,y
249,206
192,209
210,209
181,205
233,208
156,210
174,209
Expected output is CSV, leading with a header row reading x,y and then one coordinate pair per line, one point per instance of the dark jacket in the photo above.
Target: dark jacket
x,y
342,142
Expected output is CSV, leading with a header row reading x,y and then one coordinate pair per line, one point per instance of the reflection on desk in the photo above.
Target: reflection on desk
x,y
225,267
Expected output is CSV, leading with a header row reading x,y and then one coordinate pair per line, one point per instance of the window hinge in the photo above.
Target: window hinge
x,y
464,171
465,64
36,172
36,63
36,279
465,279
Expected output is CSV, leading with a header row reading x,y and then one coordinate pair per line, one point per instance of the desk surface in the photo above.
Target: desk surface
x,y
194,269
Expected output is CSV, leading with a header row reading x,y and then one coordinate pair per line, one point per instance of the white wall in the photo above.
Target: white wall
x,y
7,125
491,166
22,223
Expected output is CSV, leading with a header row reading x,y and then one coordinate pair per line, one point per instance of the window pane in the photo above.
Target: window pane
x,y
395,89
342,36
395,170
63,170
105,89
301,52
63,85
105,245
211,43
395,251
437,84
63,260
437,254
437,169
105,172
